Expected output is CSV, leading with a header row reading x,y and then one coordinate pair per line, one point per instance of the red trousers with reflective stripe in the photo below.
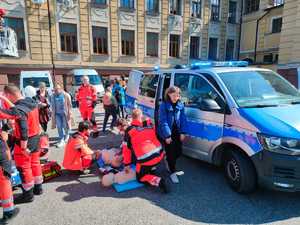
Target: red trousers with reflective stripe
x,y
6,195
144,171
88,114
29,167
86,161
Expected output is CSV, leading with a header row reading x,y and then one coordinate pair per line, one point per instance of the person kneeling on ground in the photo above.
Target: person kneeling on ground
x,y
141,141
6,194
78,156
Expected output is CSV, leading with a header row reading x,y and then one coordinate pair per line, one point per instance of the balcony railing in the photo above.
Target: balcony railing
x,y
277,2
8,42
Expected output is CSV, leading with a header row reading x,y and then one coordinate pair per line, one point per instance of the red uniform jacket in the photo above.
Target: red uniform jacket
x,y
86,96
27,126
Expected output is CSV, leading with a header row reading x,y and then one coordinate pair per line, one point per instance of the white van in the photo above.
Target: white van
x,y
95,80
33,78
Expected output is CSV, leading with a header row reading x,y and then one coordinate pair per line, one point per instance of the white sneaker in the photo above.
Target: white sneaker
x,y
61,144
179,173
167,165
67,138
174,178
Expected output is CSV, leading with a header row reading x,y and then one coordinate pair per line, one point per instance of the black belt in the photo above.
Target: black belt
x,y
32,144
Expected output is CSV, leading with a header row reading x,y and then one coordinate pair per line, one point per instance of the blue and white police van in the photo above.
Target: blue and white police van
x,y
245,119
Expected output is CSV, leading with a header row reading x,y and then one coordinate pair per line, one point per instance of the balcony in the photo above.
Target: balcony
x,y
277,2
8,42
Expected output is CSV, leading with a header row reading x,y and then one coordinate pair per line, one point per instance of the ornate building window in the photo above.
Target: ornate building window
x,y
68,37
127,37
99,40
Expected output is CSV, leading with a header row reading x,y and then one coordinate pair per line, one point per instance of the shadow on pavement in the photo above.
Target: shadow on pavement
x,y
201,196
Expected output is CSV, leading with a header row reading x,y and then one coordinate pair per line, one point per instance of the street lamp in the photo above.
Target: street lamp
x,y
40,2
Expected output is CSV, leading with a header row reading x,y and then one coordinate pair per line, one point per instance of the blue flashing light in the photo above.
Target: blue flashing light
x,y
156,68
207,64
201,64
230,63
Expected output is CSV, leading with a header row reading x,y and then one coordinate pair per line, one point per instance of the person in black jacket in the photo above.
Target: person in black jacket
x,y
44,106
24,111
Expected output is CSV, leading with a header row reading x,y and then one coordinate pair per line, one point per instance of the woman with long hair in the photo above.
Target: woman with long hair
x,y
172,127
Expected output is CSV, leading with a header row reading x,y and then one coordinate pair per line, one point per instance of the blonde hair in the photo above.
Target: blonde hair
x,y
42,84
136,113
171,90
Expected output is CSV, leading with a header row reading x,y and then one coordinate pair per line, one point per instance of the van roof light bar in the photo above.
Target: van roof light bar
x,y
206,64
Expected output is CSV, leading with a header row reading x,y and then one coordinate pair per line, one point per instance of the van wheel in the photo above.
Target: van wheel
x,y
239,172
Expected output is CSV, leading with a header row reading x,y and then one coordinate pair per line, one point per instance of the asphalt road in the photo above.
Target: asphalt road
x,y
202,197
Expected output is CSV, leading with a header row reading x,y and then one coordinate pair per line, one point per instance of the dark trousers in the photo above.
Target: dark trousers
x,y
121,111
44,126
173,151
109,111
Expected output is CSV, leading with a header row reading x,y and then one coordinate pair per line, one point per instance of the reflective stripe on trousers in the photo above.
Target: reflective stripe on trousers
x,y
6,194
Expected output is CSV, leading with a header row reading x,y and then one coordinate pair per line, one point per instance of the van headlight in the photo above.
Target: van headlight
x,y
279,145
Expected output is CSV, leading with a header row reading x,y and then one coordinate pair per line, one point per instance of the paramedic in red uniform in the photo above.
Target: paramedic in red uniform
x,y
6,195
141,142
78,156
87,99
26,140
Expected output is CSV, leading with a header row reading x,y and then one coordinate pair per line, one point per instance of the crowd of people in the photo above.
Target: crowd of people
x,y
143,146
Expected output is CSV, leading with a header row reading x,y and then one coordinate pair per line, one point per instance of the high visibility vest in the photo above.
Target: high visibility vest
x,y
75,149
143,143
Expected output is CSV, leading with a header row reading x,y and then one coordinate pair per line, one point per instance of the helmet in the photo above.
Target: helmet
x,y
29,91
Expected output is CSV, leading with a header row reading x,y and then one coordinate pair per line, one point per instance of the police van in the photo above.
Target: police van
x,y
246,120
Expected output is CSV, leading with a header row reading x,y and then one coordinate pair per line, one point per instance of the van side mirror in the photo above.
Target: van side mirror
x,y
209,105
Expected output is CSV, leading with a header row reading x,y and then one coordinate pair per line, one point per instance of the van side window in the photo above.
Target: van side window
x,y
166,84
182,81
148,85
213,82
199,90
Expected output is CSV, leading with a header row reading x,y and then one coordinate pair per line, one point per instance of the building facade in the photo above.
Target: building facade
x,y
270,36
289,48
261,31
114,36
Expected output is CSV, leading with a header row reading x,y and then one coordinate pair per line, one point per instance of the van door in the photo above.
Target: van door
x,y
163,84
205,127
147,94
132,90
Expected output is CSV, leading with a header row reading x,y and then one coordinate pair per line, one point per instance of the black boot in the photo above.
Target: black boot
x,y
8,216
95,134
163,186
38,189
26,197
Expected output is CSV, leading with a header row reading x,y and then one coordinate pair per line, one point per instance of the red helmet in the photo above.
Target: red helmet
x,y
2,12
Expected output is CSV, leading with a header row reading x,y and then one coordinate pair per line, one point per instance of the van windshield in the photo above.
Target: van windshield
x,y
252,89
94,80
35,81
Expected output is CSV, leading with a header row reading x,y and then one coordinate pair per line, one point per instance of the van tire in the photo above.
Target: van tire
x,y
240,172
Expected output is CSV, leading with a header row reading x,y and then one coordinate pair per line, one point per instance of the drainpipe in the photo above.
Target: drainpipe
x,y
51,44
240,31
256,34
